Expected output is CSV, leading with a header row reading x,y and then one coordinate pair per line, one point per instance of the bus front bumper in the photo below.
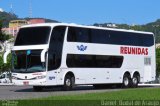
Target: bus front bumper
x,y
40,82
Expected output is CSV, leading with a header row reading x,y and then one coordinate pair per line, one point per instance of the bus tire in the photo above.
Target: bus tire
x,y
37,88
68,82
126,81
135,81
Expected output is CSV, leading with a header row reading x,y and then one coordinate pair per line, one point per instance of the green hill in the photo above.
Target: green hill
x,y
7,17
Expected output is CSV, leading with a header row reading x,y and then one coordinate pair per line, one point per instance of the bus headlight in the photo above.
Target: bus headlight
x,y
41,77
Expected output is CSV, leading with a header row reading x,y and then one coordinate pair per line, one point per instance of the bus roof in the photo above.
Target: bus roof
x,y
83,26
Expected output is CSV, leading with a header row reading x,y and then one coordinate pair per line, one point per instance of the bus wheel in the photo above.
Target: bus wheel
x,y
126,81
68,83
135,81
37,88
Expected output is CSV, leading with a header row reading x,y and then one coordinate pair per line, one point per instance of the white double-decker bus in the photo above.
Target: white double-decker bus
x,y
59,54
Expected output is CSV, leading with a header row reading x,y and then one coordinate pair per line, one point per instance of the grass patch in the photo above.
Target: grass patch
x,y
126,97
128,94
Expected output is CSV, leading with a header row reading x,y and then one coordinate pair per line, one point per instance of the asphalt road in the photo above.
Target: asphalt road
x,y
26,92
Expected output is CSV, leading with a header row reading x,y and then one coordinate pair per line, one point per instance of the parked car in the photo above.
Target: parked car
x,y
5,77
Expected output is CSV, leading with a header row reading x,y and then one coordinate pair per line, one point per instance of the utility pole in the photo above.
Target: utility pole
x,y
11,8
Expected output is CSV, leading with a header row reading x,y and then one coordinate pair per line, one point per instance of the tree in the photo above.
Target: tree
x,y
3,37
5,67
158,61
0,27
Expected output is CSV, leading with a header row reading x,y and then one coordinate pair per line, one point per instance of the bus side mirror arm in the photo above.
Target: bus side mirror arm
x,y
43,55
5,56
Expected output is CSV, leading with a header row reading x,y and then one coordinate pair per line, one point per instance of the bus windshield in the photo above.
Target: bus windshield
x,y
33,36
27,61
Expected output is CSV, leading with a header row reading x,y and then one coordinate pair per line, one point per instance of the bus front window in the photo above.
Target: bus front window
x,y
27,61
33,36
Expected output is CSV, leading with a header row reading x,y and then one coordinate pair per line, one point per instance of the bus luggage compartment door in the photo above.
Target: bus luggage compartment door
x,y
147,69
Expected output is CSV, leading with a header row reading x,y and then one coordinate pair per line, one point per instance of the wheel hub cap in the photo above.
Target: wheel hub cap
x,y
126,81
68,82
134,80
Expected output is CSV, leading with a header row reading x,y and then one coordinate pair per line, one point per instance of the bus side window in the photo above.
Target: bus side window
x,y
76,34
71,35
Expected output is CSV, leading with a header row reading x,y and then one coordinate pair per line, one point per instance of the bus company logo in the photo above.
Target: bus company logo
x,y
51,77
82,48
134,50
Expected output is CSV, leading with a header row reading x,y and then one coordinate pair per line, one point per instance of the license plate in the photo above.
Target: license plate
x,y
25,83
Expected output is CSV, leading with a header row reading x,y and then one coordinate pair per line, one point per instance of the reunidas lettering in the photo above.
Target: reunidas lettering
x,y
134,50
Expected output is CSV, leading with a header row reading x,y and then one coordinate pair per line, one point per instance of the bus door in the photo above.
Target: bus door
x,y
55,50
